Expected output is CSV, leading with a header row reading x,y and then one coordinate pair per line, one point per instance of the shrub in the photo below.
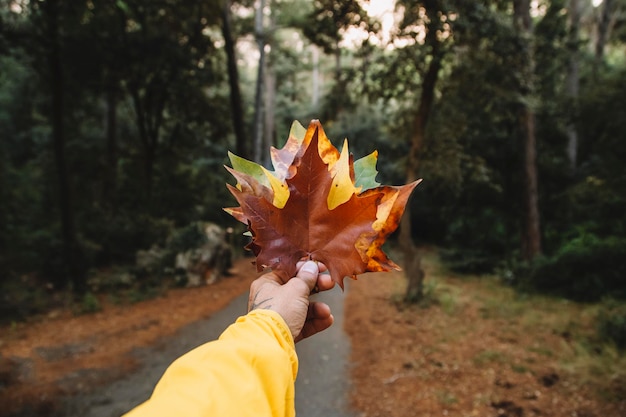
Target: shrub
x,y
584,269
469,261
611,325
88,304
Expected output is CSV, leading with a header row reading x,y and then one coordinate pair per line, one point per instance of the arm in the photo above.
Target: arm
x,y
251,369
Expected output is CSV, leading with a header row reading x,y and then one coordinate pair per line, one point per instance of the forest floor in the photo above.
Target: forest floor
x,y
61,354
476,348
472,348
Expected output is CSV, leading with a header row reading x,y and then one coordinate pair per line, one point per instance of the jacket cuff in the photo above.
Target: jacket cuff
x,y
281,331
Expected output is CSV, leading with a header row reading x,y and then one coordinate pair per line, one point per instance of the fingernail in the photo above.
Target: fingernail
x,y
310,267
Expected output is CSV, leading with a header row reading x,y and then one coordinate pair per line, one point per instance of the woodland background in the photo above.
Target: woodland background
x,y
116,118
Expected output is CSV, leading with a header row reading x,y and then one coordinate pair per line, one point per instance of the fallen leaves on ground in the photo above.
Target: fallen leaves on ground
x,y
476,350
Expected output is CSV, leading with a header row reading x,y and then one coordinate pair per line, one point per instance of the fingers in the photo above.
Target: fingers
x,y
308,273
320,265
325,282
290,298
318,318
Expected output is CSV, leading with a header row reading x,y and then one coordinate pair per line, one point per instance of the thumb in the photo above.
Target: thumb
x,y
308,273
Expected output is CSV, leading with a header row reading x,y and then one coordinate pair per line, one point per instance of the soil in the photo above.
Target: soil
x,y
62,354
468,350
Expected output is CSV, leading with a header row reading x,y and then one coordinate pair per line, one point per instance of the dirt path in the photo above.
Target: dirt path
x,y
114,399
59,355
476,348
105,363
323,384
321,389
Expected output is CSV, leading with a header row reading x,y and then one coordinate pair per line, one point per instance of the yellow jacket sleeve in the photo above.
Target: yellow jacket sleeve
x,y
249,371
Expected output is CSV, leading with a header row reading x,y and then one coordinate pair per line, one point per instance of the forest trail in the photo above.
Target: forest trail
x,y
473,348
321,389
104,364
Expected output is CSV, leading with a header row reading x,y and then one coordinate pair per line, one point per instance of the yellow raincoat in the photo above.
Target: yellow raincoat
x,y
249,371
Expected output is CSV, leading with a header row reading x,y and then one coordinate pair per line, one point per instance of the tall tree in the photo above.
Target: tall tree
x,y
260,36
573,80
241,141
602,32
531,232
429,12
162,44
112,94
56,81
325,27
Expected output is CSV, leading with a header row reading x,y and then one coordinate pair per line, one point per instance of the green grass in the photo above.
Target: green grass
x,y
446,398
541,351
582,340
490,356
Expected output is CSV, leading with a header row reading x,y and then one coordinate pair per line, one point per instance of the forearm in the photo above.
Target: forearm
x,y
250,370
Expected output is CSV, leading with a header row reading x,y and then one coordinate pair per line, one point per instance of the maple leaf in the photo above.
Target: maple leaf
x,y
317,204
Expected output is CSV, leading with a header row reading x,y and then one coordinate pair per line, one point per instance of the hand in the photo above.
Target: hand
x,y
290,298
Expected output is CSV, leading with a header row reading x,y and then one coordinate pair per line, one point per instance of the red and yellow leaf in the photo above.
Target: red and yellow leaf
x,y
320,213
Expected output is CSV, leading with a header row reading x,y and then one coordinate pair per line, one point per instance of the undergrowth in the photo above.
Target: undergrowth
x,y
592,335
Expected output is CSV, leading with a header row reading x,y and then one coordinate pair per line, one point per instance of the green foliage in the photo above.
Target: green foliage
x,y
611,324
21,298
586,268
148,127
121,234
88,304
145,133
329,19
368,124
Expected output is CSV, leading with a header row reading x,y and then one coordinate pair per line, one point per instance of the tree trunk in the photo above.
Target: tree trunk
x,y
71,251
573,82
337,62
148,135
315,77
110,185
258,98
241,142
270,125
270,102
603,30
412,258
531,231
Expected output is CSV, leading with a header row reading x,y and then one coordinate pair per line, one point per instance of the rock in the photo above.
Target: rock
x,y
14,371
150,260
200,251
209,261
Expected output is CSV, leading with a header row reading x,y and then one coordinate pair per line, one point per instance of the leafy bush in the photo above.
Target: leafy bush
x,y
611,325
584,269
20,299
120,235
469,261
88,304
478,242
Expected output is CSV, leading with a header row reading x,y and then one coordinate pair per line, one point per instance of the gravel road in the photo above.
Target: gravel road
x,y
322,387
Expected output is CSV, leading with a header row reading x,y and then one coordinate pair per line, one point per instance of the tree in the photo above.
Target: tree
x,y
573,80
603,31
429,13
325,27
162,43
531,232
241,141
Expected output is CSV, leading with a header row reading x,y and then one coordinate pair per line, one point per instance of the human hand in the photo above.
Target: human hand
x,y
290,298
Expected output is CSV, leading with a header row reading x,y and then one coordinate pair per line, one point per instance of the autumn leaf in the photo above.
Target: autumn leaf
x,y
317,204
